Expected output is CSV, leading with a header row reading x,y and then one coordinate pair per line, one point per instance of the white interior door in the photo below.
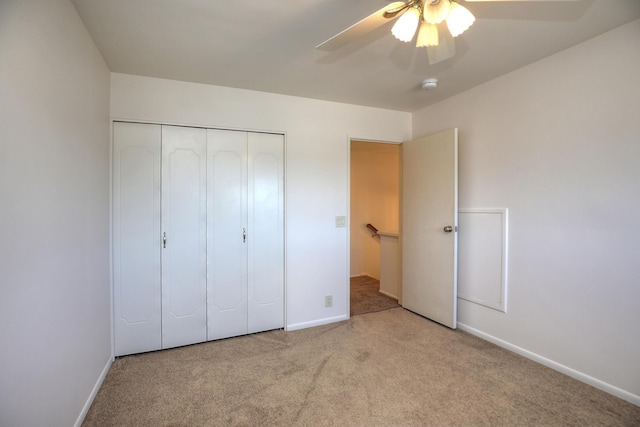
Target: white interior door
x,y
184,195
429,226
226,233
265,232
136,238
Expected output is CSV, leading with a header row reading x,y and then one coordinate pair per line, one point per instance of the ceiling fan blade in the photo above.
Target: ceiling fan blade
x,y
370,23
446,46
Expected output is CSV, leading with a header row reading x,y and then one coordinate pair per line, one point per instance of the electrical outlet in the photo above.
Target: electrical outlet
x,y
341,221
328,301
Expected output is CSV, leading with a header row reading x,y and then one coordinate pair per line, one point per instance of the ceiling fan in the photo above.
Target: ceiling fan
x,y
436,22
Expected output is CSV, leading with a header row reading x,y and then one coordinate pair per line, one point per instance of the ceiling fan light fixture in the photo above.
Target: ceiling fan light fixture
x,y
405,27
427,35
435,11
459,19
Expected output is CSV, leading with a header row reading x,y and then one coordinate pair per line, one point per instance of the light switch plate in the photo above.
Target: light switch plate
x,y
341,221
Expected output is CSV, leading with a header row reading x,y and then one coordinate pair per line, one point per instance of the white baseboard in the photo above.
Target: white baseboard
x,y
388,294
594,382
363,275
319,322
92,396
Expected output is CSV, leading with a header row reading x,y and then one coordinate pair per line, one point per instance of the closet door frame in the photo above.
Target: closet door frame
x,y
283,134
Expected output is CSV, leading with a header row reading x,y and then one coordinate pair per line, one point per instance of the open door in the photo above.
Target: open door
x,y
430,226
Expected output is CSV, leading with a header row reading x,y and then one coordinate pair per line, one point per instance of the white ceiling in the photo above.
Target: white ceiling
x,y
269,45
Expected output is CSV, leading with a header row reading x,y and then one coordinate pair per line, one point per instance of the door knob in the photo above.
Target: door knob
x,y
448,229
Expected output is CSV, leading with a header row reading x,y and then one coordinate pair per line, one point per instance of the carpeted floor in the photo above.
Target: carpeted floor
x,y
390,368
366,296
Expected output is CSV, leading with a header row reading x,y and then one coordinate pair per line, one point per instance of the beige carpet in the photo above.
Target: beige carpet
x,y
366,296
390,368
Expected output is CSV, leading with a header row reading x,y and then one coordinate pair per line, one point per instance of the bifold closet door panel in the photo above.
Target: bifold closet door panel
x,y
184,210
266,231
136,238
226,233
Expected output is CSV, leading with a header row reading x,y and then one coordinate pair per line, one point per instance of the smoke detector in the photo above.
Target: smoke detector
x,y
428,84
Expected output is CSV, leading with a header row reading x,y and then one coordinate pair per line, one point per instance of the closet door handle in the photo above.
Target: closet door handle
x,y
164,240
244,235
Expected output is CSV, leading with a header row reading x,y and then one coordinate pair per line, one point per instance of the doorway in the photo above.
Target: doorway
x,y
375,183
428,221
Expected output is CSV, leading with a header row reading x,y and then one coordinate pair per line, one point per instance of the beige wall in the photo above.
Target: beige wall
x,y
375,181
55,317
316,171
558,143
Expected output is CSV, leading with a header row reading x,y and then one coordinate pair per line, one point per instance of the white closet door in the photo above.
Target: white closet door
x,y
184,195
266,232
136,238
226,231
